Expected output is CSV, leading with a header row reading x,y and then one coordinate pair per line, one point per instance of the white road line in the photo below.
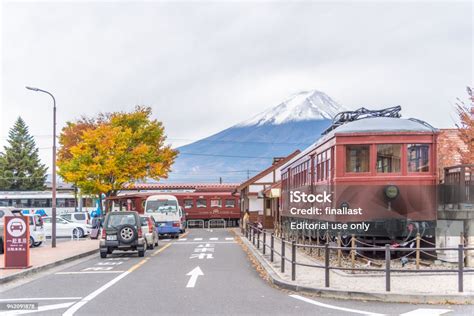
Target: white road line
x,y
214,238
40,309
39,299
229,238
197,238
307,300
426,312
198,242
88,272
74,308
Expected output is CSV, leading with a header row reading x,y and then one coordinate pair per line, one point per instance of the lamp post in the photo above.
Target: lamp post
x,y
53,206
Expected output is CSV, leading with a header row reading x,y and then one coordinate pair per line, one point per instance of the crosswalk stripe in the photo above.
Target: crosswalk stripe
x,y
197,238
214,238
182,239
229,238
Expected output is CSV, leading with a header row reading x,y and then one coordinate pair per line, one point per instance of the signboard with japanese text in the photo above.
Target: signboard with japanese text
x,y
16,238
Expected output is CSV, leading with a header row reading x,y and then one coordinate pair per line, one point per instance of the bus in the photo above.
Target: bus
x,y
166,212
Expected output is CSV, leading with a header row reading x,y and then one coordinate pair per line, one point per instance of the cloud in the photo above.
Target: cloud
x,y
206,66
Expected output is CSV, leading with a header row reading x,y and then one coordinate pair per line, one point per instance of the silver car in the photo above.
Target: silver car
x,y
149,231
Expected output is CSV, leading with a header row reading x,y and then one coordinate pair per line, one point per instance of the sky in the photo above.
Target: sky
x,y
204,66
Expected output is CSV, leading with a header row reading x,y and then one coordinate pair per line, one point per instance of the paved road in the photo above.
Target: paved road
x,y
224,282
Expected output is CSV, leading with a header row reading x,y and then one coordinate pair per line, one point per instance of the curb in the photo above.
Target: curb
x,y
27,272
415,298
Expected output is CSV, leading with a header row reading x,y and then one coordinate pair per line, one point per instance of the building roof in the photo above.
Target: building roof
x,y
263,173
183,186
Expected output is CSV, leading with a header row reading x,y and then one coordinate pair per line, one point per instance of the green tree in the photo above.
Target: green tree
x,y
102,155
20,166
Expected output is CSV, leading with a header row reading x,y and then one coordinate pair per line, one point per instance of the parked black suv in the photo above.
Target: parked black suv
x,y
122,231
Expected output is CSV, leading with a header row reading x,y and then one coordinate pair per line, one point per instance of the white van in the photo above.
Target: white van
x,y
166,212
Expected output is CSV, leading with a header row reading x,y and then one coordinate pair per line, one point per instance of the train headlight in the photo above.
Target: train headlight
x,y
391,192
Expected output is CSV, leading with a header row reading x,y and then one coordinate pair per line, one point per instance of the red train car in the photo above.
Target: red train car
x,y
375,168
198,201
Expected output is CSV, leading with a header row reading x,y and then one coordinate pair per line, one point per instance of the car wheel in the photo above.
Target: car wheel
x,y
151,246
32,242
141,253
109,250
37,244
103,255
78,232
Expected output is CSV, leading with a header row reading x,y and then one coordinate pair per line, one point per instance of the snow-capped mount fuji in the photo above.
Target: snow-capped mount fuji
x,y
302,106
248,147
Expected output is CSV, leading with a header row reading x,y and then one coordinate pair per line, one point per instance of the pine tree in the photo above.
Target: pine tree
x,y
20,166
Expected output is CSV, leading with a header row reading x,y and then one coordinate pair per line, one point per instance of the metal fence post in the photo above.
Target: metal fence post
x,y
253,235
387,267
258,239
293,260
283,255
264,240
272,243
326,264
461,268
247,230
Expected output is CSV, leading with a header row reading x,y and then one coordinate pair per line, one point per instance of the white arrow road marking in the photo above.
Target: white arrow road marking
x,y
194,273
426,312
307,300
40,309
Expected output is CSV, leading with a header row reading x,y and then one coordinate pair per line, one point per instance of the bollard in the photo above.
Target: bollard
x,y
272,243
460,268
264,240
387,267
283,255
326,264
293,260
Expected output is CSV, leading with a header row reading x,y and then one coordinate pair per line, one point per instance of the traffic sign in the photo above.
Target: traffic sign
x,y
16,238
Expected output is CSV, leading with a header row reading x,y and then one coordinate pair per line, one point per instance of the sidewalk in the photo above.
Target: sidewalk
x,y
45,257
411,287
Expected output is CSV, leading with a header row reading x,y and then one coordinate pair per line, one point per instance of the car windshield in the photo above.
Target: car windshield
x,y
161,206
116,220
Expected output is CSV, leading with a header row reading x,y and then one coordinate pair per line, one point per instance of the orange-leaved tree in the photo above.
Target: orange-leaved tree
x,y
102,155
466,129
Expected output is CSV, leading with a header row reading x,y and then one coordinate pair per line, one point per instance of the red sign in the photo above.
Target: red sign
x,y
16,235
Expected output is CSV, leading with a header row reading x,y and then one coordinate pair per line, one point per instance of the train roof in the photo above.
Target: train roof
x,y
371,125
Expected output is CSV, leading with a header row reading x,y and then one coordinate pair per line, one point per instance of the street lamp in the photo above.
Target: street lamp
x,y
53,228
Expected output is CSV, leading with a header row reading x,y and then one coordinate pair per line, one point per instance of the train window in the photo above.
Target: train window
x,y
357,158
188,203
41,203
21,203
418,157
201,203
388,158
4,202
216,203
229,203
